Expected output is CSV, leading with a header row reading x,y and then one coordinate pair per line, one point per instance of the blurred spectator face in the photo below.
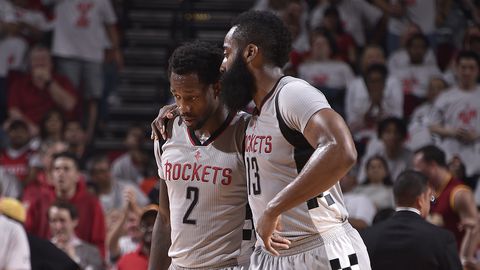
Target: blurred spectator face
x,y
467,70
375,85
146,228
409,31
132,226
19,136
435,87
372,55
62,226
134,138
376,171
391,137
100,173
54,123
74,133
320,47
417,50
40,58
65,174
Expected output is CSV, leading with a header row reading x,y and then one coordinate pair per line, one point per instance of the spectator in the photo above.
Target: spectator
x,y
113,194
378,184
124,235
402,13
416,75
346,47
454,207
35,93
361,209
76,138
43,254
83,30
131,167
390,145
456,115
52,126
406,240
16,158
14,249
70,187
10,185
39,194
371,99
324,72
138,260
63,219
353,15
30,24
419,127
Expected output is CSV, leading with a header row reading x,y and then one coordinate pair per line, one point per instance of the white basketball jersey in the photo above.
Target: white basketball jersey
x,y
207,193
275,154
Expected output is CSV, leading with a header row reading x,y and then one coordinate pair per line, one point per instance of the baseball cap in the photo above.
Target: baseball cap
x,y
13,209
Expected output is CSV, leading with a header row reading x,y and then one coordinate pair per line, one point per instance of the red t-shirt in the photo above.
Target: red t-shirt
x,y
38,197
133,261
34,102
19,165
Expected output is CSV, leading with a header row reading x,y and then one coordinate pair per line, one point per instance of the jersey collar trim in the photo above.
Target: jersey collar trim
x,y
267,97
194,139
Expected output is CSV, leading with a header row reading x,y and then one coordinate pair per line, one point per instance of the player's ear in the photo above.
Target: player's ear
x,y
250,52
216,89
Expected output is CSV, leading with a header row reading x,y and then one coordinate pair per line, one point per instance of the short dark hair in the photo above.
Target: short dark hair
x,y
68,155
97,158
418,36
468,55
16,124
380,68
432,153
201,58
72,210
398,122
408,186
267,31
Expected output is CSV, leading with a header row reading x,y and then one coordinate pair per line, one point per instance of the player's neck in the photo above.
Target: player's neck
x,y
214,122
265,80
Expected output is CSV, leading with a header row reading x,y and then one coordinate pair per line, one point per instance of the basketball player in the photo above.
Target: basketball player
x,y
203,183
296,150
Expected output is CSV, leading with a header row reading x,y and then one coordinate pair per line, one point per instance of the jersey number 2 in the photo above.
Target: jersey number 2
x,y
192,194
252,166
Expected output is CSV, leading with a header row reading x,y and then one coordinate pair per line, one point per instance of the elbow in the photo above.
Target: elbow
x,y
349,154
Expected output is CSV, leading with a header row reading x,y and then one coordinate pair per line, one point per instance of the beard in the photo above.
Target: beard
x,y
238,85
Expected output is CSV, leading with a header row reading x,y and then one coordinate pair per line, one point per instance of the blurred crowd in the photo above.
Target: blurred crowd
x,y
403,73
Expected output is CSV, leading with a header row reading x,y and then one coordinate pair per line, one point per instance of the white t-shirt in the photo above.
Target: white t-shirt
x,y
12,54
360,207
353,14
14,248
32,17
420,12
357,103
7,13
331,74
415,78
400,59
379,194
419,133
460,109
79,29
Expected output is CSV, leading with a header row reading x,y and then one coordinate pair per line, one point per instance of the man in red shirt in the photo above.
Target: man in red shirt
x,y
69,186
33,94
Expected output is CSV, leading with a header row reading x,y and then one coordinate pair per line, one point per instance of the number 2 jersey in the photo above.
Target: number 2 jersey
x,y
275,153
207,193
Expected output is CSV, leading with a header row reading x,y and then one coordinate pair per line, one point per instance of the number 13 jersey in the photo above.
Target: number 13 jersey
x,y
275,153
207,195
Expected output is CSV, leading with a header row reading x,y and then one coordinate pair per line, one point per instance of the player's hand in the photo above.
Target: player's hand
x,y
158,125
268,228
